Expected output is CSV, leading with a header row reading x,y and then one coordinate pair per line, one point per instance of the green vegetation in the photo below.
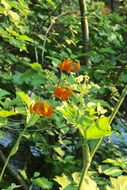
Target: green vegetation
x,y
63,86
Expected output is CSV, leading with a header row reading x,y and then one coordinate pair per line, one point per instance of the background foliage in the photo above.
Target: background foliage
x,y
36,36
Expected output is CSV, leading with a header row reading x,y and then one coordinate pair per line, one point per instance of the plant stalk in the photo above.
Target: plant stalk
x,y
98,142
87,161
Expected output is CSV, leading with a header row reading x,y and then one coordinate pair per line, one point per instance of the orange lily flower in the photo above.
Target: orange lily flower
x,y
66,65
76,67
62,92
69,65
106,10
44,109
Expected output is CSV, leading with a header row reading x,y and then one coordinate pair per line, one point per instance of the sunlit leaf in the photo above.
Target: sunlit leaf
x,y
88,184
62,180
59,151
25,38
6,5
24,97
99,129
36,66
15,17
110,171
119,183
5,113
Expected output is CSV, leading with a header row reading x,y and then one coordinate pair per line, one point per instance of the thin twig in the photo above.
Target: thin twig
x,y
46,35
36,54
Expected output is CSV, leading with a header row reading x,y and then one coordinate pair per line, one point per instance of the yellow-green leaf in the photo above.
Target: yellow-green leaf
x,y
26,99
25,38
6,5
62,180
99,129
88,184
59,151
5,113
119,183
15,17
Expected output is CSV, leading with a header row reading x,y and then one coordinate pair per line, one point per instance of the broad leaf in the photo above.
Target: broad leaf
x,y
99,129
5,113
3,121
3,93
88,184
119,183
24,97
63,181
110,171
42,182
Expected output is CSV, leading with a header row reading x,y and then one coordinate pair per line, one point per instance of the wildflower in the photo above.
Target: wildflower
x,y
69,65
42,108
66,65
63,92
106,10
76,67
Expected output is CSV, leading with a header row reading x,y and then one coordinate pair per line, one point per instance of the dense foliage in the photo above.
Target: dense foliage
x,y
55,109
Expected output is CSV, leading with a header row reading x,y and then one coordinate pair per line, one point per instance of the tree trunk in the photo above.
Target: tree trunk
x,y
85,32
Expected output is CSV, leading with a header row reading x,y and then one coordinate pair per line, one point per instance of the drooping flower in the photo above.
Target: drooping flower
x,y
66,65
42,108
76,67
69,65
106,10
63,92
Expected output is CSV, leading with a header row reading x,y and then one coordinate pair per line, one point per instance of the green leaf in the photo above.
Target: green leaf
x,y
24,97
36,66
119,183
18,44
70,187
36,174
3,93
123,77
121,162
110,171
6,5
76,177
3,121
99,129
15,147
59,151
88,184
62,180
25,38
13,187
51,3
42,182
5,113
15,17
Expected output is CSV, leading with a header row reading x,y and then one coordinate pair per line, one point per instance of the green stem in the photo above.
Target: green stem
x,y
118,104
12,152
86,164
98,142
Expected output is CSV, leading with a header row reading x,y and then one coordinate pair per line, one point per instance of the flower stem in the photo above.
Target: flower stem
x,y
118,104
98,142
87,161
